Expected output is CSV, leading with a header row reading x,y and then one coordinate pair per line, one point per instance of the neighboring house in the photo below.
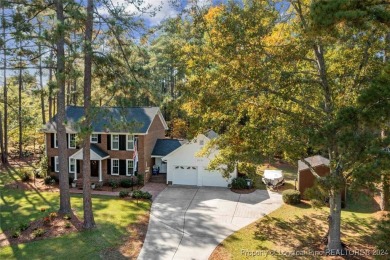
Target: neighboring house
x,y
306,179
115,152
186,168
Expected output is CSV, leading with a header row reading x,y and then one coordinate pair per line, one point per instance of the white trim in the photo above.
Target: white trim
x,y
127,167
97,138
75,170
75,145
100,171
112,139
56,164
127,142
112,167
55,145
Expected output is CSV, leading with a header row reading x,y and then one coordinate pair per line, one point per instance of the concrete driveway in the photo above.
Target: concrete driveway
x,y
188,222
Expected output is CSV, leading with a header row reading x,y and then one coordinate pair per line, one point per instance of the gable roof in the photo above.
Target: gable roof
x,y
209,134
96,153
111,119
314,161
165,146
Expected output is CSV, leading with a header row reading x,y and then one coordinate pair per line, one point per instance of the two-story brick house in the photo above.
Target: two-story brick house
x,y
122,141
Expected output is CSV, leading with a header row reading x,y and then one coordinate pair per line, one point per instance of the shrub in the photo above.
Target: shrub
x,y
52,215
48,180
139,194
43,209
15,233
23,226
123,194
38,174
140,179
126,183
239,183
113,184
26,177
44,166
68,225
292,197
38,232
67,217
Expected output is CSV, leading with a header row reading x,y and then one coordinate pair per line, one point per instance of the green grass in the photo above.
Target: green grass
x,y
112,216
301,227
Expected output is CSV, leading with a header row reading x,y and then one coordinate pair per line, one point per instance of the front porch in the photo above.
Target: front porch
x,y
98,164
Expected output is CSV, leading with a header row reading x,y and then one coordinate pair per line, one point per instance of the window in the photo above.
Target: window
x,y
94,138
56,164
130,142
72,141
72,165
130,167
55,141
114,142
114,166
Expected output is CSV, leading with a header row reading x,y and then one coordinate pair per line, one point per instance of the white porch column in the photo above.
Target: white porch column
x,y
75,170
100,171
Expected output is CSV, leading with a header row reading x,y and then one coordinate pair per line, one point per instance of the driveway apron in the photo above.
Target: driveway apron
x,y
189,222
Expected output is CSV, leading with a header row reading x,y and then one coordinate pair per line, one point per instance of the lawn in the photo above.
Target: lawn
x,y
114,218
301,228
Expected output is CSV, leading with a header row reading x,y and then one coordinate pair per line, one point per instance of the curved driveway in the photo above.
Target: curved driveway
x,y
188,222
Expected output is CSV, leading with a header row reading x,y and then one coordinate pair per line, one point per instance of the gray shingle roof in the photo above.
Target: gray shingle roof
x,y
99,151
165,146
109,119
314,161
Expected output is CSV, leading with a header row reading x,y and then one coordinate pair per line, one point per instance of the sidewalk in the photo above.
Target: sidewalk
x,y
152,188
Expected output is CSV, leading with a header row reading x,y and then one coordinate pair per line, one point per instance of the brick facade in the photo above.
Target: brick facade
x,y
145,147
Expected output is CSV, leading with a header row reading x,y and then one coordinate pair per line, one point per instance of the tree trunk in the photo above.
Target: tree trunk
x,y
50,101
385,193
89,221
1,135
334,221
40,78
20,126
65,207
4,155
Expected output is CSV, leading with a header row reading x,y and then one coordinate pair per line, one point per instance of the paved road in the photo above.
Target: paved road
x,y
188,223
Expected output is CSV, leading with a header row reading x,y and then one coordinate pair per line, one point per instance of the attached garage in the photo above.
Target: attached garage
x,y
185,175
185,167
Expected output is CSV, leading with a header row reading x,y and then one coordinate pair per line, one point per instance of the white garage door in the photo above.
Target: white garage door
x,y
213,178
185,175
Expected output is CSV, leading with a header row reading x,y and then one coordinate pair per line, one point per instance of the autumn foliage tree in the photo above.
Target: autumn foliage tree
x,y
272,83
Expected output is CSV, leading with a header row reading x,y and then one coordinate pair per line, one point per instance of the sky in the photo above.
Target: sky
x,y
165,8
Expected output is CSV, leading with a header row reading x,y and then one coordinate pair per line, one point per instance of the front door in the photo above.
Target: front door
x,y
94,168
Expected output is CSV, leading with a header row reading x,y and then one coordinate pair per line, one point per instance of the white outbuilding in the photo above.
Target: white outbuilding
x,y
186,167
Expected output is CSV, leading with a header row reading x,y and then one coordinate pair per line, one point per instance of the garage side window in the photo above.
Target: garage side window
x,y
114,166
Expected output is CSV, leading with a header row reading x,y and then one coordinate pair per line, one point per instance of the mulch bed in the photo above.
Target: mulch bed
x,y
38,185
243,191
55,227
